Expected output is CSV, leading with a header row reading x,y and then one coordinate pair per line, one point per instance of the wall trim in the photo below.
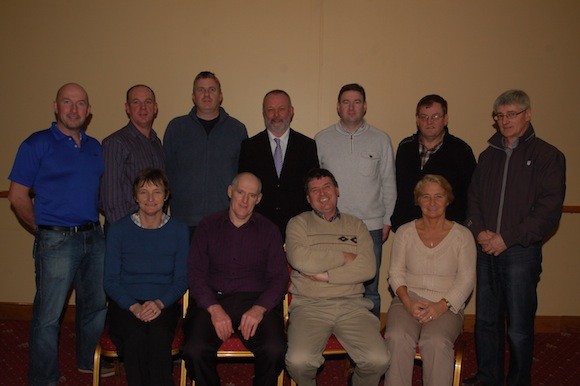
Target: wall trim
x,y
544,323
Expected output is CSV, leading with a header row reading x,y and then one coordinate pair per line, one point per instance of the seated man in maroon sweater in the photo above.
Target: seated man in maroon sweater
x,y
237,273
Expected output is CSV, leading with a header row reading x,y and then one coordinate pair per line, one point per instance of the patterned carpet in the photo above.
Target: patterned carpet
x,y
556,361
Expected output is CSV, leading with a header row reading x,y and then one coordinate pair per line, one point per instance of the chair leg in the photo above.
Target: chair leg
x,y
183,376
458,362
281,378
97,365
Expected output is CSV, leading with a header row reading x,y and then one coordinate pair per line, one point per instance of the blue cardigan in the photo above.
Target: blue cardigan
x,y
146,264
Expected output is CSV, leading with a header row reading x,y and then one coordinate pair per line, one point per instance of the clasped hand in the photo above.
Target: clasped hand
x,y
147,311
491,243
424,312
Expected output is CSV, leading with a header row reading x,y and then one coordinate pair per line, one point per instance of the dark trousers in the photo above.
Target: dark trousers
x,y
201,341
145,347
506,287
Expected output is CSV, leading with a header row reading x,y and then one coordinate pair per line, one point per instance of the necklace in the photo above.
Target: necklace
x,y
431,244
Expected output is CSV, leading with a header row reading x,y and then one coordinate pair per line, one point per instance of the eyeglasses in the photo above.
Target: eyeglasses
x,y
508,115
434,117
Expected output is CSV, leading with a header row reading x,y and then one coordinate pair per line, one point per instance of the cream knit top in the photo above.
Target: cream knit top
x,y
444,271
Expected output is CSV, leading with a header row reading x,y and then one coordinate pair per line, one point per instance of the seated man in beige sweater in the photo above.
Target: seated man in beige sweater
x,y
331,254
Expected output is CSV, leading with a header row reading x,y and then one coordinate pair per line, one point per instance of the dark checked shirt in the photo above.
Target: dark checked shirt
x,y
126,153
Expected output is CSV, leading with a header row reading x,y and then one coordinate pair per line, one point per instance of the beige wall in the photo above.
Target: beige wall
x,y
469,52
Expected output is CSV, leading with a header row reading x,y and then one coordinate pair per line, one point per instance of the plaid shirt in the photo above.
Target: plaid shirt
x,y
334,217
425,153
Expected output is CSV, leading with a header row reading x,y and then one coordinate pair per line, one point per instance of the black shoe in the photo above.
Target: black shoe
x,y
473,381
107,369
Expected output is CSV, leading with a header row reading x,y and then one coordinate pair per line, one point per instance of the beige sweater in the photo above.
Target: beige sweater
x,y
314,245
446,271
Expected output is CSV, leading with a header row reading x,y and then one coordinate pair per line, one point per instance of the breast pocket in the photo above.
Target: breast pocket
x,y
368,163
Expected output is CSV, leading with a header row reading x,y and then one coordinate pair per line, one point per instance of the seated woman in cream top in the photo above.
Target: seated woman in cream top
x,y
432,273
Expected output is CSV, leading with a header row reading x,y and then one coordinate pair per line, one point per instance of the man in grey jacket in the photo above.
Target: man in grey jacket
x,y
362,159
201,154
514,202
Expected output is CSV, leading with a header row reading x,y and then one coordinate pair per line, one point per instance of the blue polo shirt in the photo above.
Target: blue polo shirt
x,y
64,177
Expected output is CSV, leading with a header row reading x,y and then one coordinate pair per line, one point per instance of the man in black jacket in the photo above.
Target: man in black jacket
x,y
280,157
432,150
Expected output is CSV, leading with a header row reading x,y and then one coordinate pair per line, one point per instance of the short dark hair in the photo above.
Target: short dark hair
x,y
139,85
428,100
155,176
208,75
316,174
352,87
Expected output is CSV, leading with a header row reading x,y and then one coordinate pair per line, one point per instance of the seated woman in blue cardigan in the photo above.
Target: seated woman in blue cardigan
x,y
145,276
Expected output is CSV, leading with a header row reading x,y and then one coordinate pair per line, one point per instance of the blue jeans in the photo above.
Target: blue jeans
x,y
372,286
61,259
506,286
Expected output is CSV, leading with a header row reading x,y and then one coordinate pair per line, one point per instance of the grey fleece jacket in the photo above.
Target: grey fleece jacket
x,y
364,166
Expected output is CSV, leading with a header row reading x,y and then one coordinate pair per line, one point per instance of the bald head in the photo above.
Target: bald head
x,y
245,194
71,87
247,177
71,108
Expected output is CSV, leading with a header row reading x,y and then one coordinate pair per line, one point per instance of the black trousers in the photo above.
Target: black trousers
x,y
145,347
201,341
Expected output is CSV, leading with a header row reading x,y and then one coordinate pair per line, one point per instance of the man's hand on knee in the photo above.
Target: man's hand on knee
x,y
221,321
250,321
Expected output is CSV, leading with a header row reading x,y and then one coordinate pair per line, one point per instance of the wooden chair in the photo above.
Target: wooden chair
x,y
459,349
106,347
232,348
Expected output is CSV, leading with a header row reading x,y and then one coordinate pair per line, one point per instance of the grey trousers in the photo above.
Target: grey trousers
x,y
435,340
312,321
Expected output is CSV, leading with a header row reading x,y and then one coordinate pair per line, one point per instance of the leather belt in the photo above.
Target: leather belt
x,y
81,228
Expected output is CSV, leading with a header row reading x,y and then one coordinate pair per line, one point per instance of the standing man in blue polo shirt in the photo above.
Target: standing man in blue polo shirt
x,y
62,165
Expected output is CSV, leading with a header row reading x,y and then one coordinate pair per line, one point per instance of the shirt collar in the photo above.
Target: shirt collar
x,y
137,220
60,135
334,217
283,137
136,132
225,219
363,127
424,149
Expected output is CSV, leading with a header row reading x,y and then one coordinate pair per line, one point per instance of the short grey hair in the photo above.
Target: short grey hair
x,y
512,97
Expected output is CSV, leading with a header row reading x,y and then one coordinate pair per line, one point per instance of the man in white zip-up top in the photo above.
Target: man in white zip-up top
x,y
362,159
